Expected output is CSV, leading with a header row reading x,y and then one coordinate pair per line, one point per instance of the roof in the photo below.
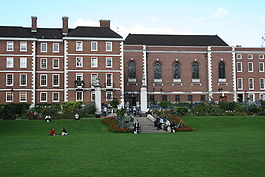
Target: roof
x,y
56,33
174,40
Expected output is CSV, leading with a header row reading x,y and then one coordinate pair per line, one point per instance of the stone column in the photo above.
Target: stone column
x,y
98,97
143,96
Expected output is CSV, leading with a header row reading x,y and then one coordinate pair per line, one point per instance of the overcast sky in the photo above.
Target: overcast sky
x,y
237,22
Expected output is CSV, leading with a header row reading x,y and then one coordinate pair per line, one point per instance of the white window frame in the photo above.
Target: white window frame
x,y
12,80
41,66
23,46
82,96
96,45
242,86
261,70
262,81
251,97
92,78
239,69
53,61
261,56
20,79
77,63
111,76
107,62
262,96
239,56
11,45
45,93
11,61
12,96
107,92
110,45
92,95
53,47
58,80
79,47
23,62
55,101
23,94
250,69
45,79
94,65
250,56
249,83
41,47
79,74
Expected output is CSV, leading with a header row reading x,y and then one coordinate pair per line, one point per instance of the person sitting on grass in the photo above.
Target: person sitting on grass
x,y
64,132
52,132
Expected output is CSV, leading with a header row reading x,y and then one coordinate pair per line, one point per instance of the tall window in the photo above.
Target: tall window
x,y
261,67
239,66
195,70
94,78
250,67
177,73
55,80
157,70
43,80
108,62
261,83
23,96
79,61
9,62
108,46
79,96
9,46
240,84
132,70
94,46
43,96
9,97
55,47
109,95
23,79
221,69
23,46
43,47
109,80
9,80
23,62
55,97
43,63
79,46
94,62
55,63
251,83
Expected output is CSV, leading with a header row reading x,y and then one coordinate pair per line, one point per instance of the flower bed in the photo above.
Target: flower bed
x,y
113,125
182,126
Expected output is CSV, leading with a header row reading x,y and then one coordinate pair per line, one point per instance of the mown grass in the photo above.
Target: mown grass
x,y
218,146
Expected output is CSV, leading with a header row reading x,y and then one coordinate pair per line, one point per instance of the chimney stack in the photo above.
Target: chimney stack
x,y
65,25
104,23
34,24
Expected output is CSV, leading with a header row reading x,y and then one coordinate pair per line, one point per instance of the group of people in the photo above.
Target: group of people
x,y
53,133
136,126
164,124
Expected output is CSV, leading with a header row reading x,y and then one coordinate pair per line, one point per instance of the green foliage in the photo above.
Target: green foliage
x,y
48,109
227,106
12,111
114,103
207,109
165,104
251,109
71,106
88,110
182,111
121,112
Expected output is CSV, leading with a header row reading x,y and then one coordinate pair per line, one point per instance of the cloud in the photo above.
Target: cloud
x,y
134,29
220,13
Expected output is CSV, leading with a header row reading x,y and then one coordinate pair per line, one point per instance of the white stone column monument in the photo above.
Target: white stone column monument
x,y
98,97
143,96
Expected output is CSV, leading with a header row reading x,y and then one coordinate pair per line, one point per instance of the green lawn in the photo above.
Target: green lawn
x,y
218,146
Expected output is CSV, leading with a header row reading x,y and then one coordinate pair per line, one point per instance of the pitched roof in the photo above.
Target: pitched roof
x,y
174,40
84,31
56,33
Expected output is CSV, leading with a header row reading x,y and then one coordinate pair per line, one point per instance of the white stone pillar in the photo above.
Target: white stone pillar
x,y
98,97
143,97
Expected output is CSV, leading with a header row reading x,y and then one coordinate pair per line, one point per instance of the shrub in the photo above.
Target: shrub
x,y
88,110
12,111
113,125
165,104
227,106
47,109
182,111
251,109
114,103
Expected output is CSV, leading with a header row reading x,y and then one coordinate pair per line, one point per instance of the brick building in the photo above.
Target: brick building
x,y
51,65
189,68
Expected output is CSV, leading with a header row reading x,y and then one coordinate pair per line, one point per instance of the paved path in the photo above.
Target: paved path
x,y
147,125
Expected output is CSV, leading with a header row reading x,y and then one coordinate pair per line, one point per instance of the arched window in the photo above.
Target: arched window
x,y
221,69
195,70
132,70
176,69
157,70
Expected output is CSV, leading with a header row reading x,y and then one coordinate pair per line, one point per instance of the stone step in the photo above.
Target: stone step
x,y
147,126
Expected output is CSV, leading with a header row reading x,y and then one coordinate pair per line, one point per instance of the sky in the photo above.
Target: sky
x,y
237,22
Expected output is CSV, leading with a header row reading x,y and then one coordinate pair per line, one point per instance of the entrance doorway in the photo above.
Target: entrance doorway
x,y
132,101
240,97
